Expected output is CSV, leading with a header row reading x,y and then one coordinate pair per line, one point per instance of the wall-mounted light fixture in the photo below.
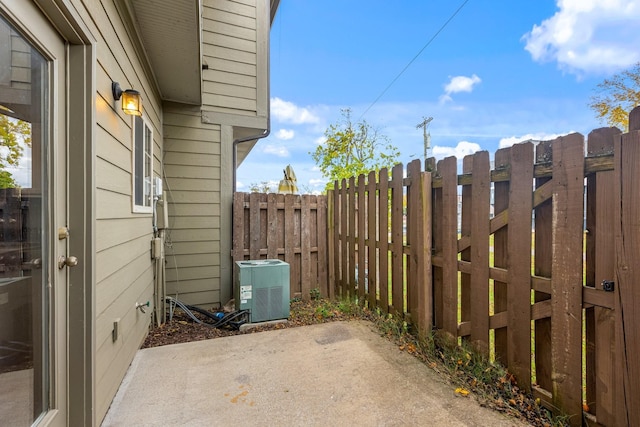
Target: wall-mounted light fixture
x,y
131,99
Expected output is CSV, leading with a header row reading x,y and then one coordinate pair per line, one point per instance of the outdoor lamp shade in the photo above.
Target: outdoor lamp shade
x,y
132,102
131,99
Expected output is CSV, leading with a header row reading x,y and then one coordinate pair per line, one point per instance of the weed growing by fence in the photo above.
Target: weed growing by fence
x,y
468,370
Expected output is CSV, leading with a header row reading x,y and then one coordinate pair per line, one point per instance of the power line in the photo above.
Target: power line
x,y
415,57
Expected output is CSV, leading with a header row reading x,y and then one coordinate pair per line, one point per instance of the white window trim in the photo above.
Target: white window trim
x,y
136,208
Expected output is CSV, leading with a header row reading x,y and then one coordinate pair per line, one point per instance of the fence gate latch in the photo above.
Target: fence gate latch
x,y
608,285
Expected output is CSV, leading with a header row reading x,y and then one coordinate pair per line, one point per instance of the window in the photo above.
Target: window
x,y
142,165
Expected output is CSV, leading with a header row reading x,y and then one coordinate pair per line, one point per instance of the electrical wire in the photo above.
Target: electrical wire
x,y
233,319
415,57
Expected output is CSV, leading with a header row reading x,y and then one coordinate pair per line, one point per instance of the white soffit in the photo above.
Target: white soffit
x,y
170,32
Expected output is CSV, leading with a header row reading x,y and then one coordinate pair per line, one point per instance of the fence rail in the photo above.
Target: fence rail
x,y
291,228
517,260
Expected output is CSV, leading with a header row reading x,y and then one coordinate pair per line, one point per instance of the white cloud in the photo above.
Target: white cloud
x,y
320,140
588,36
459,84
285,134
508,142
464,148
288,112
277,150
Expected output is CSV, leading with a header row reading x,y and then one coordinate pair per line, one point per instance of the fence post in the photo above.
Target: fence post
x,y
627,303
566,280
519,264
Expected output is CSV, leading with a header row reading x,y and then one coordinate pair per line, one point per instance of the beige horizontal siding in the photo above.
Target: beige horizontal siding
x,y
230,49
192,171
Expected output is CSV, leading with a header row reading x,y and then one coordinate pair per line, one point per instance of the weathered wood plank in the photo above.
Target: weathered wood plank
x,y
413,238
289,239
566,288
305,243
323,250
272,227
423,253
519,266
238,227
438,249
383,227
397,258
465,230
361,218
500,255
351,237
627,232
448,170
479,280
542,268
344,246
254,226
372,238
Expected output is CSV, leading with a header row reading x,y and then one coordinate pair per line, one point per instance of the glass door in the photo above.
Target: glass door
x,y
31,287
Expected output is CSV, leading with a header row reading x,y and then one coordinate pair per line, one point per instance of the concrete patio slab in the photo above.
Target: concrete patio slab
x,y
340,373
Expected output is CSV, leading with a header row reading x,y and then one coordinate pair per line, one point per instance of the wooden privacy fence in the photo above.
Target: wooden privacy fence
x,y
518,261
292,228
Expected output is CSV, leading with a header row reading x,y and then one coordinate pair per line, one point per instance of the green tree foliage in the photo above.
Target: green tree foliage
x,y
6,180
617,96
14,135
352,149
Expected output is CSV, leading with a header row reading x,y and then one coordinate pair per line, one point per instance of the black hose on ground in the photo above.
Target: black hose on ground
x,y
233,319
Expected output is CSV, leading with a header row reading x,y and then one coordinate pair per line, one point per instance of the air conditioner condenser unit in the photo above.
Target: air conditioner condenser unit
x,y
262,287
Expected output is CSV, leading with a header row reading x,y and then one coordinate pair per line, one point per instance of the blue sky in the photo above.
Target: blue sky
x,y
501,71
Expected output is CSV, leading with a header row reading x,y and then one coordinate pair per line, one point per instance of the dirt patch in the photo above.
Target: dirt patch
x,y
183,329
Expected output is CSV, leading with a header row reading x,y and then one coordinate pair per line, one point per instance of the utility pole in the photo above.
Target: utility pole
x,y
427,136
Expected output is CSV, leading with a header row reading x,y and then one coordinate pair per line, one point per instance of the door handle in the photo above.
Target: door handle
x,y
70,261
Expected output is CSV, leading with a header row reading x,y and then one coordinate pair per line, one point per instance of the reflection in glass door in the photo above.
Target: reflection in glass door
x,y
23,229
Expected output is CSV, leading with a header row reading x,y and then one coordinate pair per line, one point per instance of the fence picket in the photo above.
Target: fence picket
x,y
397,258
566,279
305,245
372,238
500,257
465,254
438,241
344,239
542,268
322,223
383,229
448,170
361,205
519,266
413,219
479,253
351,238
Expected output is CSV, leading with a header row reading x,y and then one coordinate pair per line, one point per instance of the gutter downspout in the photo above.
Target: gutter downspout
x,y
265,133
